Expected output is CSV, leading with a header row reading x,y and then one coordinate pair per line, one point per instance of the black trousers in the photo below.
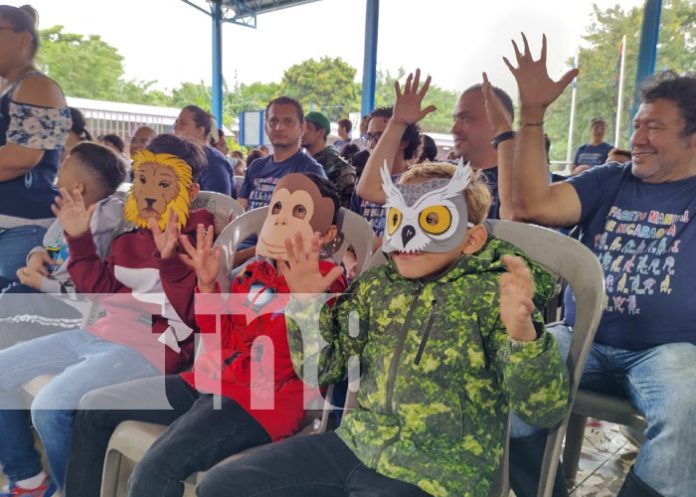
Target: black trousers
x,y
314,465
198,437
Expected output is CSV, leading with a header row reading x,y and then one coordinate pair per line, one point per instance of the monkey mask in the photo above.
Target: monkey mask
x,y
430,216
296,205
160,184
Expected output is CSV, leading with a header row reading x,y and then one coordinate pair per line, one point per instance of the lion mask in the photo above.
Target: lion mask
x,y
160,184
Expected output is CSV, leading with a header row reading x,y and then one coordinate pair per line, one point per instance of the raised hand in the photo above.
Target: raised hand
x,y
167,240
516,293
407,109
537,89
498,117
204,258
40,261
301,271
71,211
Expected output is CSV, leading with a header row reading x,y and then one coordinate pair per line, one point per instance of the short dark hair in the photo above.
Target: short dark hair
x,y
327,189
285,100
597,120
349,150
114,140
411,136
183,148
501,94
347,124
429,148
679,89
201,118
23,20
79,124
108,168
385,112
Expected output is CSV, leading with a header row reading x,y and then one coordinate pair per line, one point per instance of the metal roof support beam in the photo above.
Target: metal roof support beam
x,y
369,84
647,53
216,97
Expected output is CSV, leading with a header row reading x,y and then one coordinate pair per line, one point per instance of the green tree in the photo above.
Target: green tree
x,y
84,66
597,84
327,85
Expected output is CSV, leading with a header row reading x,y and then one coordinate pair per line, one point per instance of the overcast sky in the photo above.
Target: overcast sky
x,y
453,40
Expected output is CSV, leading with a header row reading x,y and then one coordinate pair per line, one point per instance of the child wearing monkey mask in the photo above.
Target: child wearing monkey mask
x,y
146,292
247,364
447,336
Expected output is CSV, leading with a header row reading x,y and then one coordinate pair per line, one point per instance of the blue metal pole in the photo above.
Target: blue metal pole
x,y
216,97
648,47
369,85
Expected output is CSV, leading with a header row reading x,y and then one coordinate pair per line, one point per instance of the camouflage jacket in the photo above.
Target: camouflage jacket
x,y
438,371
339,172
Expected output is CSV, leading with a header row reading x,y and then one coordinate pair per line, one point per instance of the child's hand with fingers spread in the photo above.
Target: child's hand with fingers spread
x,y
516,305
301,271
204,258
71,211
168,240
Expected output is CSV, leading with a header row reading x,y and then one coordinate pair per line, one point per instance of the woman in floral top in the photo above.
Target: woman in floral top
x,y
34,121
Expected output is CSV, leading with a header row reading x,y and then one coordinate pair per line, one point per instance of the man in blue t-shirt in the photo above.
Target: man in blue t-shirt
x,y
594,153
637,219
284,126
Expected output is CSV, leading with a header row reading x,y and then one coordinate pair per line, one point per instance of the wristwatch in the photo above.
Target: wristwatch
x,y
506,135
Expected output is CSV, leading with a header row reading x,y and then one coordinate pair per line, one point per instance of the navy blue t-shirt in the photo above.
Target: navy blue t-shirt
x,y
592,155
262,176
644,240
216,177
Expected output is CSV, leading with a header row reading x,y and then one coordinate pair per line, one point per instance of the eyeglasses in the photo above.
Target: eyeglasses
x,y
373,136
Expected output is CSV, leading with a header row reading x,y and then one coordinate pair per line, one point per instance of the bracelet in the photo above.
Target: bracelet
x,y
506,135
540,123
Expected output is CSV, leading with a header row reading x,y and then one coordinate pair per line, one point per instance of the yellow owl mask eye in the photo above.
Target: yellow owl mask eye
x,y
435,220
394,218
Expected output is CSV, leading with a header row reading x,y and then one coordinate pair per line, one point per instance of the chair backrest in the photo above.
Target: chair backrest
x,y
223,207
575,263
356,232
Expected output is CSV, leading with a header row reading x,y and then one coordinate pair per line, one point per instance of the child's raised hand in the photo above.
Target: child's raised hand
x,y
71,211
204,258
516,293
167,240
301,271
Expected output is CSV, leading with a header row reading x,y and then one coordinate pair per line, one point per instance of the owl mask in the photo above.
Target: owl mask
x,y
430,216
160,184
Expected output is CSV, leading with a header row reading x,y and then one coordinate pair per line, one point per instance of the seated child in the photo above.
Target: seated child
x,y
255,408
148,323
96,172
448,343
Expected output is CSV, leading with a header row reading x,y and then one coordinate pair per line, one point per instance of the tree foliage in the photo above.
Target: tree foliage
x,y
597,84
326,85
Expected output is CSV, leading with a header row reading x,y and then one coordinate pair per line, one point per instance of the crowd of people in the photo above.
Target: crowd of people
x,y
448,334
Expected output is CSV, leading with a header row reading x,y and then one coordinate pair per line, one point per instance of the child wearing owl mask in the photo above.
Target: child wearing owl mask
x,y
448,338
146,292
247,364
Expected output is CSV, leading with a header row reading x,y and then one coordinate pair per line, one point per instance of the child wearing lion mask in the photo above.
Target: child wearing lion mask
x,y
146,292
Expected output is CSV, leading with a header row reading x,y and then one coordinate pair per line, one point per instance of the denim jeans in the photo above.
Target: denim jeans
x,y
659,382
199,436
82,362
15,244
302,466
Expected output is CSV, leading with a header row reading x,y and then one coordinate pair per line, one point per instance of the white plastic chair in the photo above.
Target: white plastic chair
x,y
132,439
575,263
223,207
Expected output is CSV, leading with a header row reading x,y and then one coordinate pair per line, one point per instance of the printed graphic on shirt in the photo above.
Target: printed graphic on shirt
x,y
58,250
261,192
638,252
